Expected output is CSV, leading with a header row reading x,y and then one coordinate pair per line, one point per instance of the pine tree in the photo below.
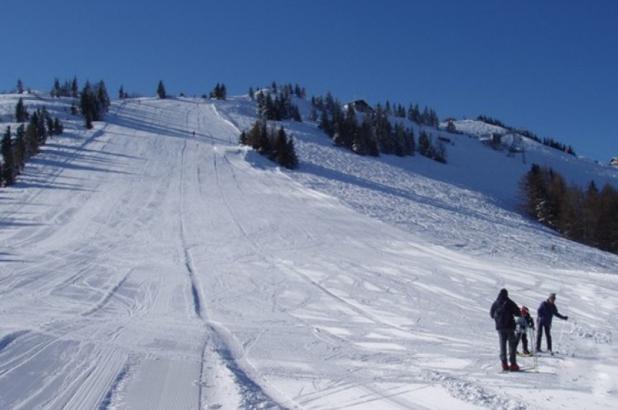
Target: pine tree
x,y
161,90
93,103
279,146
291,159
88,120
74,88
326,125
589,213
21,113
535,193
121,94
50,125
42,134
424,144
58,127
243,138
103,101
8,167
20,86
55,92
251,93
219,92
20,147
31,138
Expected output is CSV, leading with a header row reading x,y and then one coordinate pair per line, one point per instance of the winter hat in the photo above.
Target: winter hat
x,y
524,310
552,296
503,294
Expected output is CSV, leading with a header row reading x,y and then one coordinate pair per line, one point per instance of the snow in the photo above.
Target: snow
x,y
142,266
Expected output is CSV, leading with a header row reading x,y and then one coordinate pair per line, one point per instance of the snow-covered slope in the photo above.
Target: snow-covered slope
x,y
145,266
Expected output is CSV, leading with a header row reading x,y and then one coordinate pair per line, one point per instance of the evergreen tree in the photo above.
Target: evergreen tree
x,y
243,138
424,144
74,88
50,126
21,113
55,92
161,91
290,160
20,86
20,147
8,166
589,214
103,101
313,114
251,93
280,146
121,94
94,103
58,127
88,120
41,117
535,193
439,152
219,92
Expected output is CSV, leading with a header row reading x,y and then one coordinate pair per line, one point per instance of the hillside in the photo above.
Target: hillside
x,y
154,263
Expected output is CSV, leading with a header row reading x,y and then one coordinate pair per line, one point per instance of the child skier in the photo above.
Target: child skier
x,y
523,323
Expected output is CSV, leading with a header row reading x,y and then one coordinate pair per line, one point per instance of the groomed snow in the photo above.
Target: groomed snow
x,y
143,266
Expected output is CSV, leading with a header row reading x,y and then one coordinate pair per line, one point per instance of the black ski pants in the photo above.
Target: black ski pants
x,y
524,341
507,336
547,329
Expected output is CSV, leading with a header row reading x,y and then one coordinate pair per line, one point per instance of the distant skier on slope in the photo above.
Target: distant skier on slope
x,y
523,323
546,311
503,311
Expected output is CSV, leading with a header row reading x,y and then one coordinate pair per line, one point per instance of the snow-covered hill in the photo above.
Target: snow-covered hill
x,y
154,263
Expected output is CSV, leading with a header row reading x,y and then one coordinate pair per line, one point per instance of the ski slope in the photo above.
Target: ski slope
x,y
153,263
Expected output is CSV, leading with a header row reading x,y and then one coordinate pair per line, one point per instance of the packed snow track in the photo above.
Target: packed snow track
x,y
152,263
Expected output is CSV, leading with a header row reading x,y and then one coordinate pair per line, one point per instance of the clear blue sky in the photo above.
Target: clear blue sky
x,y
550,66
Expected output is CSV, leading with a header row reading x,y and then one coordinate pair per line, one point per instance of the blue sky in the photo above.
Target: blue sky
x,y
550,66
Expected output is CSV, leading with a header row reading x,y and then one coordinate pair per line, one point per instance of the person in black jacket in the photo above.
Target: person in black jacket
x,y
546,311
503,311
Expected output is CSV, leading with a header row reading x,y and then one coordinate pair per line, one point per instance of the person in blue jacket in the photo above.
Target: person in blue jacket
x,y
545,313
503,311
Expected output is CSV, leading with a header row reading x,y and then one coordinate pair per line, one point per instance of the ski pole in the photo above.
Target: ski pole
x,y
534,355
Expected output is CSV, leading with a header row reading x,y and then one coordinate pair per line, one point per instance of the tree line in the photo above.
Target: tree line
x,y
276,104
94,102
589,216
273,144
368,131
219,92
68,88
550,142
18,149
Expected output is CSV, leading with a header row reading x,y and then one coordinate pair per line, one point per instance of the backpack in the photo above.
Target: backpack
x,y
504,316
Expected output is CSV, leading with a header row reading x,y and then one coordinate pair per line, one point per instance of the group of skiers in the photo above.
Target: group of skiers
x,y
512,324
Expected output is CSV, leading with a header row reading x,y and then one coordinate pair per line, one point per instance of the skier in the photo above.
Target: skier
x,y
503,311
546,311
523,323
